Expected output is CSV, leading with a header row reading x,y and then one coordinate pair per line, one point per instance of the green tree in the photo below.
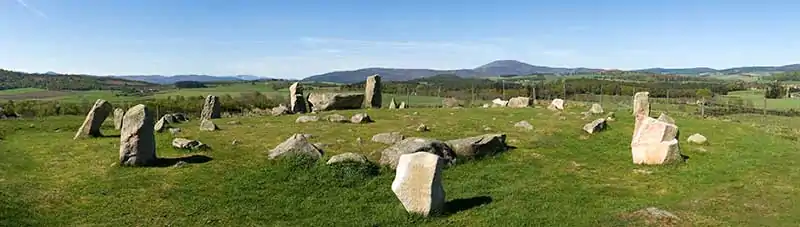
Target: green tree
x,y
704,93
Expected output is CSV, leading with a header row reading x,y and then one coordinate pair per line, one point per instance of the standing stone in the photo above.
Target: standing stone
x,y
208,125
279,110
162,124
211,108
402,105
641,104
137,140
556,104
296,100
479,146
391,155
519,102
418,183
392,104
295,145
666,118
372,93
654,142
94,119
335,101
118,114
596,109
595,126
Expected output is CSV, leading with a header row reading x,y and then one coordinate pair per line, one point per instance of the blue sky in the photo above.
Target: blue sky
x,y
295,39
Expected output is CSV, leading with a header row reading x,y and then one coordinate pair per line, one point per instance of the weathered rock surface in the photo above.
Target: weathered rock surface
x,y
118,114
479,146
335,101
519,102
348,157
279,110
361,118
641,103
654,142
208,125
337,118
524,125
372,92
162,124
174,131
422,128
418,183
94,119
666,118
595,126
556,104
388,137
596,109
499,103
306,119
451,102
295,145
137,139
391,155
402,105
697,139
183,143
392,104
211,108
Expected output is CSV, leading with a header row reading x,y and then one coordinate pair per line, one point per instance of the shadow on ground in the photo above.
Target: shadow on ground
x,y
458,205
194,159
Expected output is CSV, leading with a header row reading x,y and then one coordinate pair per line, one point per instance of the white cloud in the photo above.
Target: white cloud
x,y
32,9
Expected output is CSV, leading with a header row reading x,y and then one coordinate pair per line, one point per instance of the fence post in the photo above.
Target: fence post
x,y
764,114
703,107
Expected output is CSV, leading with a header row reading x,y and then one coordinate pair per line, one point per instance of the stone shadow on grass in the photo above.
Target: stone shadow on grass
x,y
458,205
193,159
110,136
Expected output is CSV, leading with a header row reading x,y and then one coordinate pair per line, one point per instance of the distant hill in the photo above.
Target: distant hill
x,y
158,79
513,67
53,81
495,68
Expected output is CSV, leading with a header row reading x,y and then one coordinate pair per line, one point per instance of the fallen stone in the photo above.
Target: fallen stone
x,y
422,128
697,139
279,110
348,157
174,131
295,145
337,118
519,102
361,118
392,104
335,101
162,124
402,105
654,142
182,143
388,137
595,126
479,146
418,183
137,138
524,125
596,109
451,102
94,119
208,125
556,104
391,155
306,119
499,103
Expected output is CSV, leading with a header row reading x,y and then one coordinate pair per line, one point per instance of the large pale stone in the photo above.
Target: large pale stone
x,y
402,105
392,104
279,110
306,119
596,109
295,145
335,101
137,140
118,114
499,103
361,118
654,142
208,125
297,103
418,183
451,102
666,118
391,155
372,92
163,123
519,102
211,108
388,137
697,139
556,104
641,103
595,126
348,157
94,119
479,146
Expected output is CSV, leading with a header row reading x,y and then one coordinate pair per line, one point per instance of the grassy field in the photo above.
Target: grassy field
x,y
757,98
557,175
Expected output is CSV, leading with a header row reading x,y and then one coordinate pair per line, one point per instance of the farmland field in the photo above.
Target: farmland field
x,y
757,98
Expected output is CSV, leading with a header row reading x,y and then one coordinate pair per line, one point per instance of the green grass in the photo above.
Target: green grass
x,y
19,91
757,98
220,90
557,176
